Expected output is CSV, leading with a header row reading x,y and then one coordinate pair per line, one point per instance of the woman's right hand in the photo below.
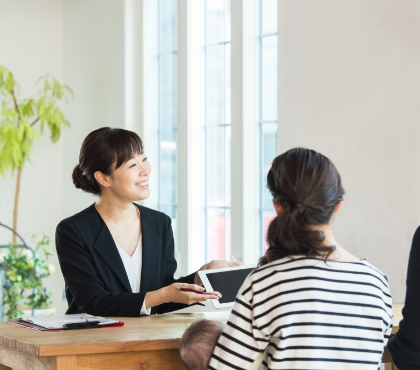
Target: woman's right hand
x,y
173,293
196,293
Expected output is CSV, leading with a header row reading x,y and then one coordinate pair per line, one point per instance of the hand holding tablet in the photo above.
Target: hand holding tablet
x,y
213,265
228,281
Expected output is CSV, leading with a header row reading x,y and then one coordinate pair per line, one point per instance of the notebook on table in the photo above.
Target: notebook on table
x,y
64,322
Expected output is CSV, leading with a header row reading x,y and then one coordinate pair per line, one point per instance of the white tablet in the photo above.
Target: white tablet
x,y
226,281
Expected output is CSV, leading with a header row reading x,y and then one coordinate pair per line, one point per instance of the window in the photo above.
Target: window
x,y
167,110
210,160
217,130
267,106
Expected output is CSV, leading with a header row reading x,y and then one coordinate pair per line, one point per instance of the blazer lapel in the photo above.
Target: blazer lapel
x,y
150,242
106,247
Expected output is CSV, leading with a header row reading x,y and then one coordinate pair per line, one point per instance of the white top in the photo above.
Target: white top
x,y
308,314
258,362
132,265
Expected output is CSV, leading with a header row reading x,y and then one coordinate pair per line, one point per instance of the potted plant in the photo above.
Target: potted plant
x,y
24,268
22,121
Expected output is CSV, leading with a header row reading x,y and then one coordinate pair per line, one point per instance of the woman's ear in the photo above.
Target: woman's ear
x,y
278,207
102,179
338,206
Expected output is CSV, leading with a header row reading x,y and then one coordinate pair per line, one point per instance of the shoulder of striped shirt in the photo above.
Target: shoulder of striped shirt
x,y
287,263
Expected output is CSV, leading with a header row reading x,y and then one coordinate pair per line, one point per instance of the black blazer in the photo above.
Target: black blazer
x,y
96,281
405,345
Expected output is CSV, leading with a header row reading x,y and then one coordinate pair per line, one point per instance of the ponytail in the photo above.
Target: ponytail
x,y
307,186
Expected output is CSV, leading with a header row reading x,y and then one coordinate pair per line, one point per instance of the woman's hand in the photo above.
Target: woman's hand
x,y
215,264
192,293
173,293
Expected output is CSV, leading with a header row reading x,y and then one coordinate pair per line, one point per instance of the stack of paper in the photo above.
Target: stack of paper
x,y
74,321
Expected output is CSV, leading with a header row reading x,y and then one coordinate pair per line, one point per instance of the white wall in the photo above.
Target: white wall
x,y
93,43
82,44
349,78
30,46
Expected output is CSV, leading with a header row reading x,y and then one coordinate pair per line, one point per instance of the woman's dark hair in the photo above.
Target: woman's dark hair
x,y
308,187
104,150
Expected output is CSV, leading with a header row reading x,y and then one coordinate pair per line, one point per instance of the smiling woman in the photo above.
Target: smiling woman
x,y
117,257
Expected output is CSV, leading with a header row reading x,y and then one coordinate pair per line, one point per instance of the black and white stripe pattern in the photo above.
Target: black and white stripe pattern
x,y
309,314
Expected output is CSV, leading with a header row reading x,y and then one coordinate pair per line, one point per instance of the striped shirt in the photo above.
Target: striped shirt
x,y
309,314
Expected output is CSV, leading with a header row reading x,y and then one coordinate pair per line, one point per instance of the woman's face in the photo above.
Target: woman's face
x,y
131,180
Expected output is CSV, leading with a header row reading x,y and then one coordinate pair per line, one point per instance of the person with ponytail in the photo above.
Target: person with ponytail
x,y
117,257
310,304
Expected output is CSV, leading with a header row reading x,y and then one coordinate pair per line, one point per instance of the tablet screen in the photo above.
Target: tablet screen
x,y
235,279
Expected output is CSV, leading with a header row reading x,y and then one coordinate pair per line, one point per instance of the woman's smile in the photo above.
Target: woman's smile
x,y
143,184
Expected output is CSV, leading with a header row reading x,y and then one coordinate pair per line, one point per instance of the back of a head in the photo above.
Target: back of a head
x,y
308,187
198,342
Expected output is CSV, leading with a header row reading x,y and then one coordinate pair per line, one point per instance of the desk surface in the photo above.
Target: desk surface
x,y
153,332
156,332
397,317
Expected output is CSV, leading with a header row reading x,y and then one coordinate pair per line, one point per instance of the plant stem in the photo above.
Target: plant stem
x,y
15,102
35,121
16,207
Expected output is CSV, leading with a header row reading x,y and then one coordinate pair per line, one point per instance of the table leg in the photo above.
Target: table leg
x,y
17,360
390,366
65,363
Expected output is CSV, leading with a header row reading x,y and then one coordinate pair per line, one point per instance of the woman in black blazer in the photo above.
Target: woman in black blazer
x,y
91,244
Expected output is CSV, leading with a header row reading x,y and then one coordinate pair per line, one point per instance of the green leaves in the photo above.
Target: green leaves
x,y
15,144
7,82
21,122
48,111
24,273
18,119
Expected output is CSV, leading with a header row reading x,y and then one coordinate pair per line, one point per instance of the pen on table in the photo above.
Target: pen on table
x,y
195,291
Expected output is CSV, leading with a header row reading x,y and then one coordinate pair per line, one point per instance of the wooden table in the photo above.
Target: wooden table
x,y
142,343
145,343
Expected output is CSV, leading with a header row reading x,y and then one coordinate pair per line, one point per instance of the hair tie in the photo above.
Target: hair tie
x,y
299,209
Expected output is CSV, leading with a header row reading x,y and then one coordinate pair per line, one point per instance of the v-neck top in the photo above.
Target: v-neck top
x,y
132,265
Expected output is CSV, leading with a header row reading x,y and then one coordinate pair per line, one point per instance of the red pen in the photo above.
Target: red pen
x,y
195,291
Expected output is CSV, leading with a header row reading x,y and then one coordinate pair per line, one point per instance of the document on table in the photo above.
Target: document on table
x,y
73,321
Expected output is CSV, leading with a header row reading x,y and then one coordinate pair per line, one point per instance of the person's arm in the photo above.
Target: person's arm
x,y
88,290
240,344
169,298
405,345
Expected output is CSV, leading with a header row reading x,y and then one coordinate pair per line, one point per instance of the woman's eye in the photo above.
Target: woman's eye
x,y
132,165
145,159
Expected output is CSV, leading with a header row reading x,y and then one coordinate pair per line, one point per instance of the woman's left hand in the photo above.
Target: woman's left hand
x,y
215,264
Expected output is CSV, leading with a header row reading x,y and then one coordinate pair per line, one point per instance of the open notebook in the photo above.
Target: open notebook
x,y
65,322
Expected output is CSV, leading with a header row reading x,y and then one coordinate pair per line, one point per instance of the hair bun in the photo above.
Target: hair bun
x,y
81,182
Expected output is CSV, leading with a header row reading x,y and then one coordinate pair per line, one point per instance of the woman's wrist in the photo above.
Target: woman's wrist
x,y
155,298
